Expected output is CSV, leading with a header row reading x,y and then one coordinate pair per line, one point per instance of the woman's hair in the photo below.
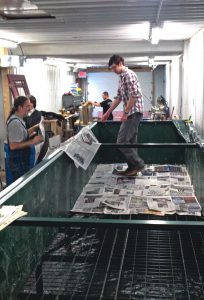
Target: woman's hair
x,y
33,100
19,101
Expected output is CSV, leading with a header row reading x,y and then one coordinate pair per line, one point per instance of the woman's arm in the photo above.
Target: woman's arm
x,y
25,144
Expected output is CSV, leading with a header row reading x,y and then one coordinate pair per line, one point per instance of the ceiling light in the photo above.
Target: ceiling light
x,y
7,43
138,31
156,33
151,61
179,31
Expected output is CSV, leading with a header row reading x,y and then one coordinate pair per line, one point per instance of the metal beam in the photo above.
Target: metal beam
x,y
116,223
150,145
159,12
102,47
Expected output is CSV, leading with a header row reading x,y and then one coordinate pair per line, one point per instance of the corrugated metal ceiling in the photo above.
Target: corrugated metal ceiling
x,y
112,23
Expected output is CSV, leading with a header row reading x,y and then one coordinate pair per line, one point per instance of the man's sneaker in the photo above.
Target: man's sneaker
x,y
128,171
118,172
132,172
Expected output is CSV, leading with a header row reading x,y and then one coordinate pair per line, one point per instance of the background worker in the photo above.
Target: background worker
x,y
130,94
105,104
34,118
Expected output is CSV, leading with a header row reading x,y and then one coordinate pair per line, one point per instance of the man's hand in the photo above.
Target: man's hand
x,y
105,117
124,118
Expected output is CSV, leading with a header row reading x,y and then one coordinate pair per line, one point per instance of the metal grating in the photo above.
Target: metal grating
x,y
108,263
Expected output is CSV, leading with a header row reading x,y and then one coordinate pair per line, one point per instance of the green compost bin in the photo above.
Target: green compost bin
x,y
149,132
50,189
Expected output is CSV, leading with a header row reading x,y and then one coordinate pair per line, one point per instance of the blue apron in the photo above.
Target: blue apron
x,y
18,162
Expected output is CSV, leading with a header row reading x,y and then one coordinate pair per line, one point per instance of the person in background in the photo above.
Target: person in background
x,y
34,116
105,104
130,94
19,138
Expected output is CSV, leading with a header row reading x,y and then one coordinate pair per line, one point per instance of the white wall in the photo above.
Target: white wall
x,y
47,83
159,82
167,81
146,83
98,82
175,99
193,80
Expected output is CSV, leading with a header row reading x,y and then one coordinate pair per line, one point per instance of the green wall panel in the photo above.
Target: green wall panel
x,y
53,186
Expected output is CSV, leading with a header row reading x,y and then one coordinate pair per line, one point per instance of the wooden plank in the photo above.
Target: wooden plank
x,y
5,86
6,92
3,51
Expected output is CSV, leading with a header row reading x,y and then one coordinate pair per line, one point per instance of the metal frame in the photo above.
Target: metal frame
x,y
85,222
119,223
119,261
150,145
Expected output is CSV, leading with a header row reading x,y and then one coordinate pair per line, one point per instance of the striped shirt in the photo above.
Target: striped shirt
x,y
129,87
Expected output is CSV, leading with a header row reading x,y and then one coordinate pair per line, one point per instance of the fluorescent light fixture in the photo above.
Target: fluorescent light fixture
x,y
136,59
151,61
179,31
54,62
138,31
156,33
81,66
7,43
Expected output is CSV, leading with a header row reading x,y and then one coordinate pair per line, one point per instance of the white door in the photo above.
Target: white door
x,y
98,82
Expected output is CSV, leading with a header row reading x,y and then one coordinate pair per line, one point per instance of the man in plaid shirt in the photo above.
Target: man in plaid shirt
x,y
130,94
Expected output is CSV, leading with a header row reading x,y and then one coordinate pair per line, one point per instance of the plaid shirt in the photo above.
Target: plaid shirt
x,y
129,87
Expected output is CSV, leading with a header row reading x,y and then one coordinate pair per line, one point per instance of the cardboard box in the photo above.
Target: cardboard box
x,y
54,142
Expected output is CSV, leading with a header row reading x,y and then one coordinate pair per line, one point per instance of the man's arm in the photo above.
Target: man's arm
x,y
96,103
115,103
130,104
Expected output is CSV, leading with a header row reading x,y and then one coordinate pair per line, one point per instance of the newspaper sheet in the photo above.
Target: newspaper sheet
x,y
162,204
181,190
187,205
87,202
42,128
82,148
120,202
159,190
9,213
93,190
139,205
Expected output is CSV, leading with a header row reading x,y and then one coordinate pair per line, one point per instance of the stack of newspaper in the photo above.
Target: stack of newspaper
x,y
159,190
9,213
